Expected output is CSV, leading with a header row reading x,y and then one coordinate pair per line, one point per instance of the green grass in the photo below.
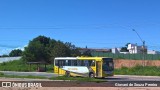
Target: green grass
x,y
1,74
139,70
20,65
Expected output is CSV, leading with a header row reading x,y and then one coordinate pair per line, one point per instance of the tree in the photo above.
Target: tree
x,y
87,52
124,49
60,50
44,49
127,44
5,55
74,50
15,53
38,49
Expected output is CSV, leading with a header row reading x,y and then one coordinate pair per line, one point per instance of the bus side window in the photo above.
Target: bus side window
x,y
82,63
74,63
69,62
56,62
78,63
66,63
92,63
86,63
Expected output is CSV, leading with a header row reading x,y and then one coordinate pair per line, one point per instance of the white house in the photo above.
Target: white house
x,y
116,50
134,48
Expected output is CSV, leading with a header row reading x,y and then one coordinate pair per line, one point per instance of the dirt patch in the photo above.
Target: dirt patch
x,y
131,63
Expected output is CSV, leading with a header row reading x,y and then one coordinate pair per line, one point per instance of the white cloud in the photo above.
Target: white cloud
x,y
8,50
5,51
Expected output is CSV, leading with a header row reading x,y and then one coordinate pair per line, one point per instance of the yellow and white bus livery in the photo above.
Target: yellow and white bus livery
x,y
84,66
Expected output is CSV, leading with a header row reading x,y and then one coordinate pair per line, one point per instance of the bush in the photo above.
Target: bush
x,y
20,65
1,74
139,70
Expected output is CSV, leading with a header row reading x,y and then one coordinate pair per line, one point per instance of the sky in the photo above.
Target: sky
x,y
91,23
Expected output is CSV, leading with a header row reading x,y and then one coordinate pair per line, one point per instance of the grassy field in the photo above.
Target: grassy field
x,y
139,70
20,65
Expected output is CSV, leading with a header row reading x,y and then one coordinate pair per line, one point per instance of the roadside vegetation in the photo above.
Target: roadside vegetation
x,y
139,70
20,65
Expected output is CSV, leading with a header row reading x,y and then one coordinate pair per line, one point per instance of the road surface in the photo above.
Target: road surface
x,y
108,79
112,78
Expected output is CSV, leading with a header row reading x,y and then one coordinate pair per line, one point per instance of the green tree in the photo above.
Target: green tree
x,y
44,49
124,49
87,52
5,55
39,49
16,52
60,50
127,44
74,50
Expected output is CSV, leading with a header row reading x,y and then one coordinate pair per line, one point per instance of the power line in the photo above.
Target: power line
x,y
28,28
74,27
8,46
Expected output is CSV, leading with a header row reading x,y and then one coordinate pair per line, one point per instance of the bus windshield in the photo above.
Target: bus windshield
x,y
108,64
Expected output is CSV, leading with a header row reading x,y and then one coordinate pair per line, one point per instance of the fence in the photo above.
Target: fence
x,y
128,56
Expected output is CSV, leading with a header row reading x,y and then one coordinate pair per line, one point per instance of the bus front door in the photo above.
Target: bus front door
x,y
98,69
60,66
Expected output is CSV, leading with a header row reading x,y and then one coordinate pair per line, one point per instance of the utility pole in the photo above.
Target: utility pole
x,y
143,47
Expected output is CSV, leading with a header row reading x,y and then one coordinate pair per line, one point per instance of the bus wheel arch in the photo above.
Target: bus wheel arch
x,y
91,75
67,73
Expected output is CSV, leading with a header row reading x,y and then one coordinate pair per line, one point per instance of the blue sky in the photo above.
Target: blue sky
x,y
95,23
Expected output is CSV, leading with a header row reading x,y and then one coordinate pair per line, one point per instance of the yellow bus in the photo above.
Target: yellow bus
x,y
84,66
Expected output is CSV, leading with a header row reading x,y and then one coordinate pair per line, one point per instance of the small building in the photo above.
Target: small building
x,y
135,49
152,52
82,50
116,50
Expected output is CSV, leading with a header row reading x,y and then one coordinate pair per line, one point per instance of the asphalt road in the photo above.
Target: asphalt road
x,y
112,78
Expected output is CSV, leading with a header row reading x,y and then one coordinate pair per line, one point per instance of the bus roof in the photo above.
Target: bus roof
x,y
69,58
80,58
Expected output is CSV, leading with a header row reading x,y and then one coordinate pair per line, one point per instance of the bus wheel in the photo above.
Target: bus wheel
x,y
91,75
67,74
